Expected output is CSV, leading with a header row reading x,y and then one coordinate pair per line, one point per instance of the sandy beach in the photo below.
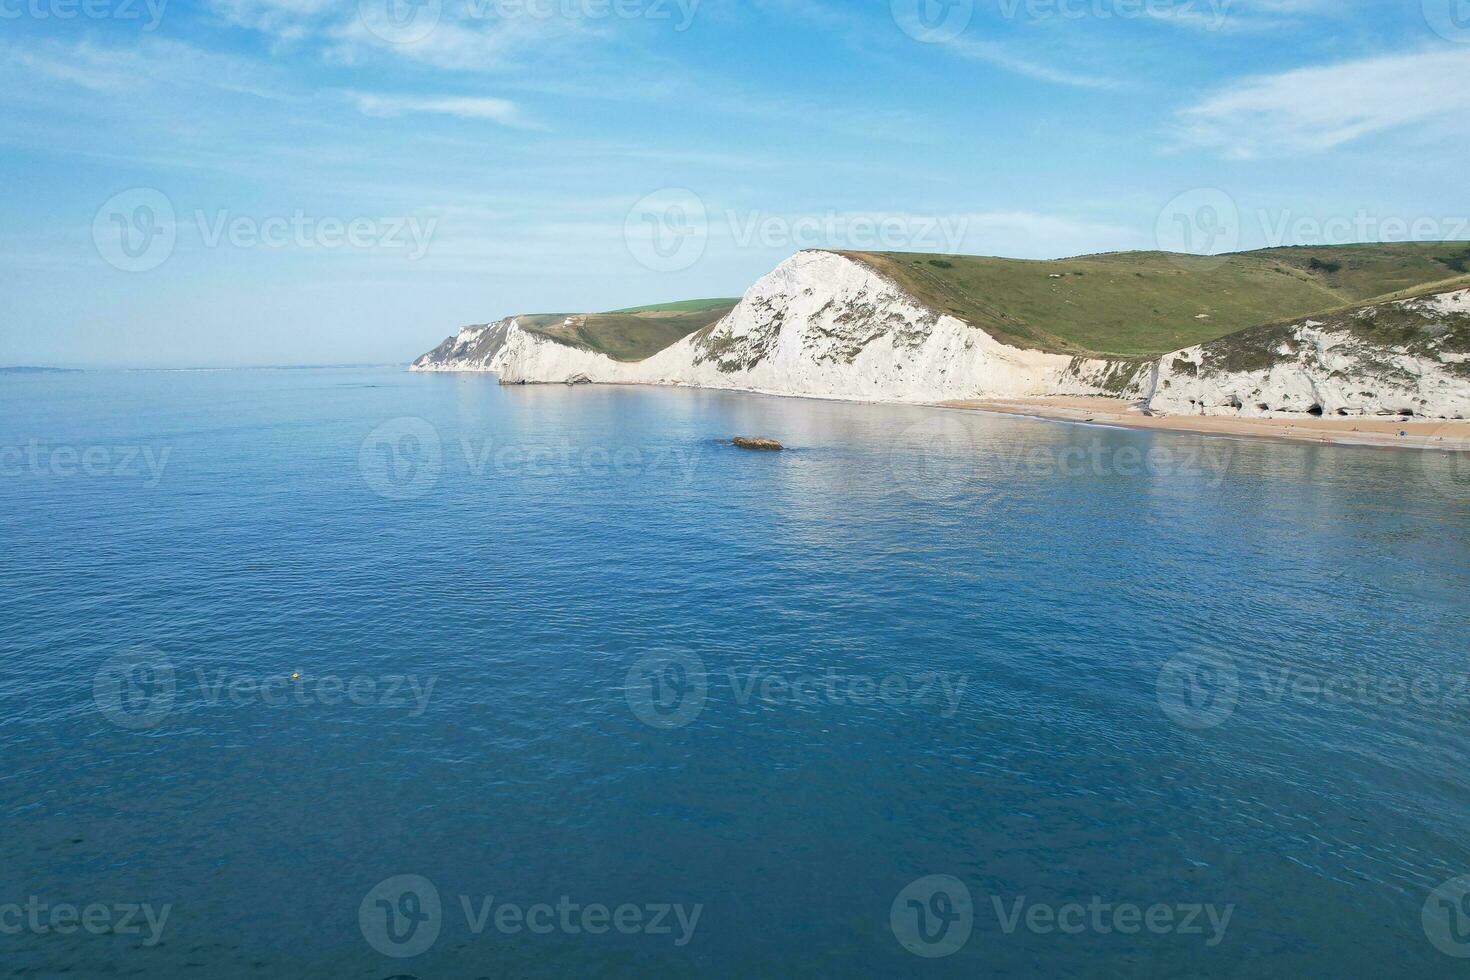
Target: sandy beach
x,y
1346,430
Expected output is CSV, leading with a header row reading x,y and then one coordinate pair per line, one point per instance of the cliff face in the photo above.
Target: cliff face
x,y
825,325
472,349
1403,358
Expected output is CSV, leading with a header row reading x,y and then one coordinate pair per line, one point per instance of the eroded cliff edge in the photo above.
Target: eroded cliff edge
x,y
1406,358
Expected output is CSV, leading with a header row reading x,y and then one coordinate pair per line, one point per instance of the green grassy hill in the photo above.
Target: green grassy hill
x,y
1143,304
685,306
630,335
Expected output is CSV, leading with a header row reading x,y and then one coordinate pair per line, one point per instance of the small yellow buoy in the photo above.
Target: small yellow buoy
x,y
296,677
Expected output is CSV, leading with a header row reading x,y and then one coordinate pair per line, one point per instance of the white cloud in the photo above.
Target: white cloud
x,y
30,72
457,36
883,34
463,107
83,65
1002,56
1311,110
287,21
1249,14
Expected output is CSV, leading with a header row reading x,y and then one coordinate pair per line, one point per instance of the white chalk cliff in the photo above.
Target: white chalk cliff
x,y
826,325
472,349
1395,359
821,324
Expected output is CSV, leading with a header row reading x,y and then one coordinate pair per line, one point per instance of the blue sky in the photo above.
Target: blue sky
x,y
251,182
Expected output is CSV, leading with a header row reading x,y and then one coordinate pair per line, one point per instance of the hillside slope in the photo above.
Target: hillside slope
x,y
1145,304
623,335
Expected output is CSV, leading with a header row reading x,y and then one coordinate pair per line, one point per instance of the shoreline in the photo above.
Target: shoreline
x,y
1352,430
1445,435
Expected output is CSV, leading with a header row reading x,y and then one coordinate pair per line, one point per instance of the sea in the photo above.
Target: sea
x,y
353,672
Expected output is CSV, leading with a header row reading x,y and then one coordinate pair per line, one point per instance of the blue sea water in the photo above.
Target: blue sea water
x,y
931,693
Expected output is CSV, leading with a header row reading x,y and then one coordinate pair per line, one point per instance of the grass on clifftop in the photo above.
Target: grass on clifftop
x,y
685,306
630,335
1143,304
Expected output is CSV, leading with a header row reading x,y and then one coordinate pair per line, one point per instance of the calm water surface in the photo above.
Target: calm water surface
x,y
566,642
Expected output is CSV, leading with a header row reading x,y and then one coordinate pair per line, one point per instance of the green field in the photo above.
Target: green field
x,y
630,335
1143,304
686,306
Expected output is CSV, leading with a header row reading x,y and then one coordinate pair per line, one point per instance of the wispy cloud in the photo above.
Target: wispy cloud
x,y
152,63
285,20
83,66
883,34
502,111
1244,15
1311,110
1002,56
474,36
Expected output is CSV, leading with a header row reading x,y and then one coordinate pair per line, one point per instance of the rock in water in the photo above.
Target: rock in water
x,y
751,442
